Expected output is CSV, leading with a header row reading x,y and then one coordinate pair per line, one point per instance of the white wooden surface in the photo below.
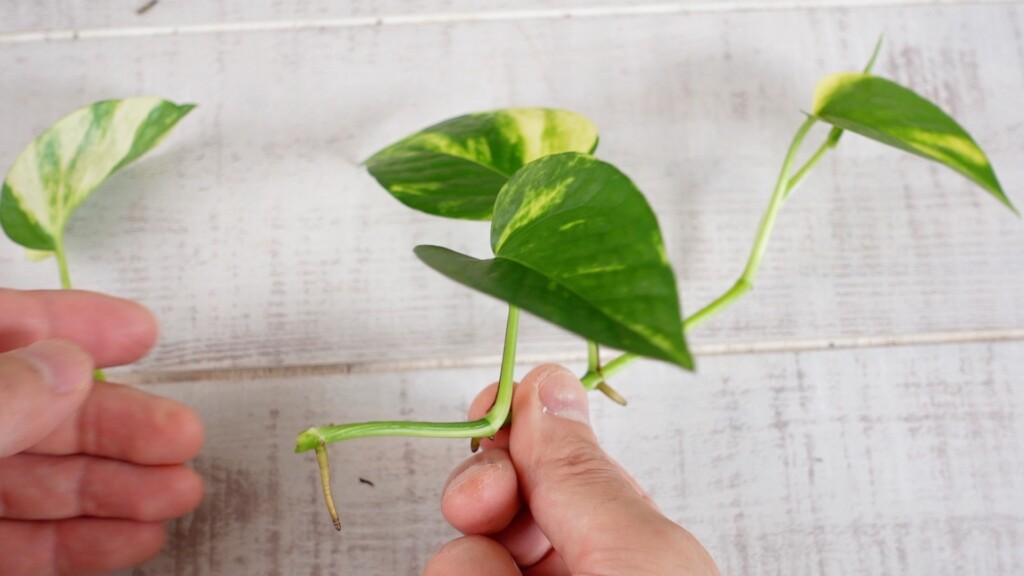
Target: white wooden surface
x,y
848,462
39,19
276,266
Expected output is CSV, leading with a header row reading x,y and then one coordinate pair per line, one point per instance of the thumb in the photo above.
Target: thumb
x,y
577,494
40,386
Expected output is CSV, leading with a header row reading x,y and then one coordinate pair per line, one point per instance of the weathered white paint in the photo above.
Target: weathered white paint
x,y
259,241
277,266
49,20
878,461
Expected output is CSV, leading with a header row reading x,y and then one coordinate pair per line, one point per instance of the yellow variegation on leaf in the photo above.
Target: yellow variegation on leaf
x,y
55,173
884,111
577,244
457,167
37,255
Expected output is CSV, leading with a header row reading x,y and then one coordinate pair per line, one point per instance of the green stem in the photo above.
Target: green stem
x,y
316,436
778,197
783,187
798,178
595,373
593,357
62,264
734,293
65,284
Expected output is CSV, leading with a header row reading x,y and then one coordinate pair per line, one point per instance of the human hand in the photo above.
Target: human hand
x,y
88,470
543,499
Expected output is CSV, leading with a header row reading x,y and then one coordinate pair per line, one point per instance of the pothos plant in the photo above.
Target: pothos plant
x,y
60,169
575,242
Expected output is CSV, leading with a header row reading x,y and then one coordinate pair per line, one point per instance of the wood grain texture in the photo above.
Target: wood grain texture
x,y
259,241
880,461
264,248
64,19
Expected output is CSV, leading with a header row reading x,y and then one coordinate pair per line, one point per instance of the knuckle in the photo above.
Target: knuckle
x,y
581,462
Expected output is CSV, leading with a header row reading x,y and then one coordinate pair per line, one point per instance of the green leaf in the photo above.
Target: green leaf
x,y
457,167
63,166
37,255
836,133
577,244
891,114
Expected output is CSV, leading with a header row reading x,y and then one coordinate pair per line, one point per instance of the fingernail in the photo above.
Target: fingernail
x,y
562,394
464,476
62,365
471,471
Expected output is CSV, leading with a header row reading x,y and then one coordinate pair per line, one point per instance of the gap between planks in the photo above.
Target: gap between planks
x,y
723,349
674,8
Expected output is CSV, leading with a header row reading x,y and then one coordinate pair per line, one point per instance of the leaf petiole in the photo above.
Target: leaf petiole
x,y
764,230
62,263
783,187
830,142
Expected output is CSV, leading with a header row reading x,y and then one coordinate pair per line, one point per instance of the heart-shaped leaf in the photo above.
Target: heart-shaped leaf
x,y
836,134
889,113
57,171
457,167
577,244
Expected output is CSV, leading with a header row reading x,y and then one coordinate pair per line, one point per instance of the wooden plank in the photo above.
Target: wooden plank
x,y
259,241
877,461
25,19
50,15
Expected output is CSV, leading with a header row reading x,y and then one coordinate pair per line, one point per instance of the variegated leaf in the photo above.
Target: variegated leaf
x,y
577,244
457,167
891,114
56,172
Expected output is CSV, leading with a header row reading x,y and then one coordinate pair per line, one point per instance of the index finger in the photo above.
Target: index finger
x,y
112,330
125,423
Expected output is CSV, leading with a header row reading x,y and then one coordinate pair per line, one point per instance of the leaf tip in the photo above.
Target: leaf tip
x,y
684,359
